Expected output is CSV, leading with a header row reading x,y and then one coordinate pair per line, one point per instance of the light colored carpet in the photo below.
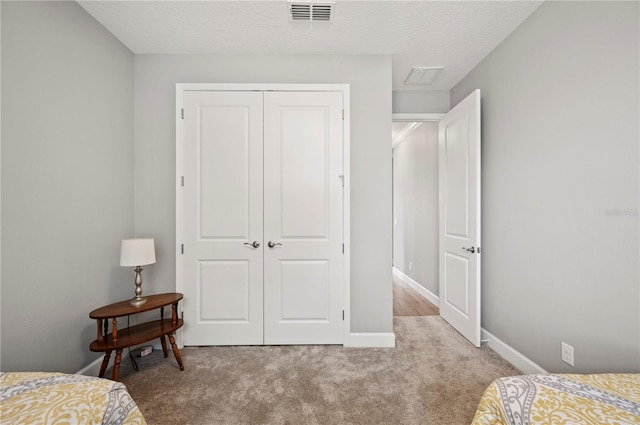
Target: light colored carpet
x,y
432,376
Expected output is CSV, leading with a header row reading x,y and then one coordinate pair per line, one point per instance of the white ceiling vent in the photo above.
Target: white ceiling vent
x,y
310,11
423,74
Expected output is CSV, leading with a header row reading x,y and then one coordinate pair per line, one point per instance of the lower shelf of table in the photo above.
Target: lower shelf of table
x,y
137,334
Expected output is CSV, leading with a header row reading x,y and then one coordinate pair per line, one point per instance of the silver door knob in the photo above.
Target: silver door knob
x,y
271,244
471,250
254,244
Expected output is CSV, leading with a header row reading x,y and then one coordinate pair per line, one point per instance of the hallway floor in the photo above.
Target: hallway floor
x,y
408,302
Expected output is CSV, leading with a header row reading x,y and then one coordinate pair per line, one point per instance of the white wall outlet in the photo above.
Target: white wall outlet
x,y
410,265
567,353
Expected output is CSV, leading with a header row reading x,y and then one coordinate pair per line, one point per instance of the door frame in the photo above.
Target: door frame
x,y
417,119
181,88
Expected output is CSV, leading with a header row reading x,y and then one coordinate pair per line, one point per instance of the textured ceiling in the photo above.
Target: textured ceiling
x,y
453,34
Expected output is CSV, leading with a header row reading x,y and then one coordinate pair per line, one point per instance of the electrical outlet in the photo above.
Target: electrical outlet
x,y
410,265
567,353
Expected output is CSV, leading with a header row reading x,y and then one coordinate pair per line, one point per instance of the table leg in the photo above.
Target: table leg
x,y
116,366
114,331
105,363
176,352
163,341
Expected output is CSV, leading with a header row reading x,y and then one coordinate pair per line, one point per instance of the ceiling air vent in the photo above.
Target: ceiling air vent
x,y
423,74
302,11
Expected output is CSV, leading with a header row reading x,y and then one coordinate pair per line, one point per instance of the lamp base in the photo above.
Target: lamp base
x,y
138,301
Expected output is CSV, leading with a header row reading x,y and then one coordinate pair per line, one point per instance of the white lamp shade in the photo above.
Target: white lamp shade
x,y
137,252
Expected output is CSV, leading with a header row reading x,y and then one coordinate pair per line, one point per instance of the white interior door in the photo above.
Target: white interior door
x,y
223,197
459,169
303,218
262,218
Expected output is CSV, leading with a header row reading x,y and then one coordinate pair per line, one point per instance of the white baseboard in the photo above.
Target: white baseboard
x,y
371,339
510,354
433,298
93,368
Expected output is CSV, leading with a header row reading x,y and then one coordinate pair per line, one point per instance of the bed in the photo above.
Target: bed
x,y
561,399
57,398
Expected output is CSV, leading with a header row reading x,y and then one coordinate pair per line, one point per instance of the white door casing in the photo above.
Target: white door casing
x,y
223,196
459,234
303,212
234,293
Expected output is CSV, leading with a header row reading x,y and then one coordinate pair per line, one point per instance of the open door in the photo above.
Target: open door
x,y
459,194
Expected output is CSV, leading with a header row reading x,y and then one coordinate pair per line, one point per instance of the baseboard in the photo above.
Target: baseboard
x,y
371,339
93,368
433,298
510,354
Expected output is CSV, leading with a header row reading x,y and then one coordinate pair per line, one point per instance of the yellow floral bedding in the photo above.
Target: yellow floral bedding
x,y
55,398
561,399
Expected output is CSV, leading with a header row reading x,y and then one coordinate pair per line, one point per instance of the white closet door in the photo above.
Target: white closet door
x,y
303,217
223,198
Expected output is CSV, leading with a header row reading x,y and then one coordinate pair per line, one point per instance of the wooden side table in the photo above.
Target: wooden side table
x,y
138,334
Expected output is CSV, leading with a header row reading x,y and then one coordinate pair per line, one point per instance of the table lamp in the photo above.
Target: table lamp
x,y
137,252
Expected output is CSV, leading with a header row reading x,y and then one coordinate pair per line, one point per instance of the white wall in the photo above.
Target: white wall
x,y
560,150
67,181
415,206
370,79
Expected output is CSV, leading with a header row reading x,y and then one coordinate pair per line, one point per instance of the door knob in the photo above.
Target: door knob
x,y
271,244
471,250
254,244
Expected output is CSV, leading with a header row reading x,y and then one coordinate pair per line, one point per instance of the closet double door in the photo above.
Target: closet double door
x,y
262,218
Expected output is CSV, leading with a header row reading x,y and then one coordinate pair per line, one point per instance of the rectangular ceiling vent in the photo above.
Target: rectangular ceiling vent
x,y
302,11
423,74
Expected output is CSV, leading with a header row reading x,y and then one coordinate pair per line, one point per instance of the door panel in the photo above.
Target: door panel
x,y
459,169
223,198
304,185
304,286
228,278
223,167
456,190
303,213
457,277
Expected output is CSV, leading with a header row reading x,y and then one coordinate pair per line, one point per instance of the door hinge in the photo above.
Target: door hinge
x,y
182,113
182,248
343,315
342,179
343,115
182,181
343,248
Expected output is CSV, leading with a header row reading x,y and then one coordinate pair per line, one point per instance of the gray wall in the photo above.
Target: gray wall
x,y
415,206
560,185
370,79
67,181
426,102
